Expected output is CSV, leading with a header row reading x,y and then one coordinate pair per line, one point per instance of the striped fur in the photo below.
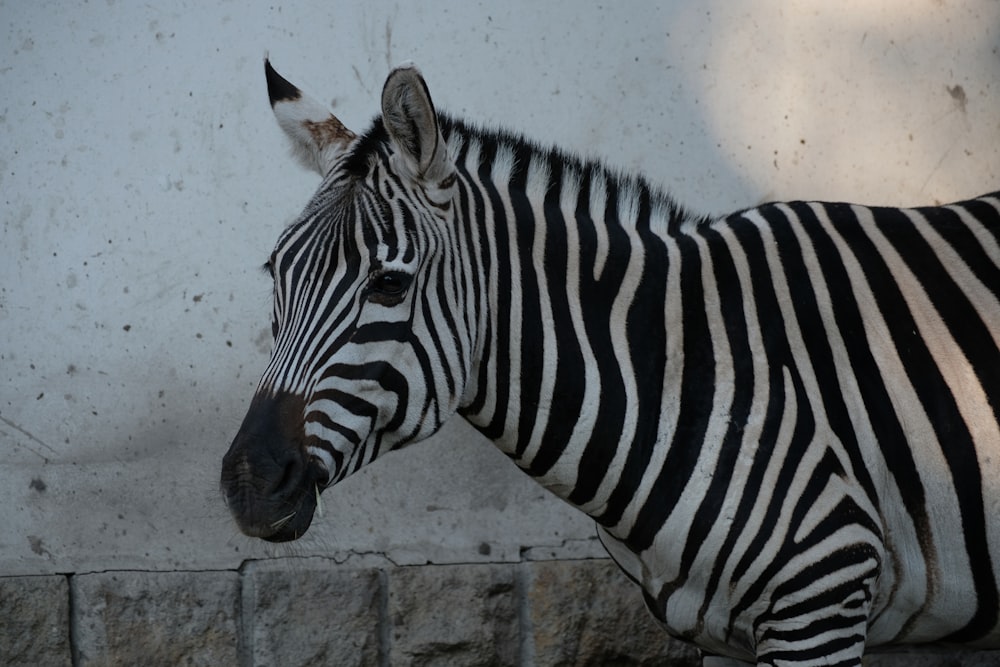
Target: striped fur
x,y
785,421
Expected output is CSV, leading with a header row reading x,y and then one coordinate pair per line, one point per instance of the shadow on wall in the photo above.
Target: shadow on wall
x,y
149,497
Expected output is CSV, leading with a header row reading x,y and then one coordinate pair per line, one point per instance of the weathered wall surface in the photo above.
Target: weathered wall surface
x,y
143,182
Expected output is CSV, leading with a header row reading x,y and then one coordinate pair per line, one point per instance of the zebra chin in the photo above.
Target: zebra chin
x,y
270,480
273,522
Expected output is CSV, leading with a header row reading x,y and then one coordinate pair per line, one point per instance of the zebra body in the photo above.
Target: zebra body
x,y
784,421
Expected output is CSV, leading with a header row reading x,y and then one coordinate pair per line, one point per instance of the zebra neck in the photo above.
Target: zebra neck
x,y
574,352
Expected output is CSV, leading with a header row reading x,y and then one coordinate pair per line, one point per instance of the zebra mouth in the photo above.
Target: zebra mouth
x,y
276,517
322,473
293,525
275,510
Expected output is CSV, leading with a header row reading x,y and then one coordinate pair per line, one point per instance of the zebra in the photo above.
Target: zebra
x,y
785,422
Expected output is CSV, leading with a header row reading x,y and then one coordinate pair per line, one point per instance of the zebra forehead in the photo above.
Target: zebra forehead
x,y
369,145
327,238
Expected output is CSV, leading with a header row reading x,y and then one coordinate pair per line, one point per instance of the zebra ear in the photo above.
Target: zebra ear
x,y
409,116
318,138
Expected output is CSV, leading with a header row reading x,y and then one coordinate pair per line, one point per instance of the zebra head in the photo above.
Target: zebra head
x,y
370,351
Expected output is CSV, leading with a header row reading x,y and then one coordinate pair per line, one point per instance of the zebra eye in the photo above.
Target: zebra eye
x,y
392,283
388,288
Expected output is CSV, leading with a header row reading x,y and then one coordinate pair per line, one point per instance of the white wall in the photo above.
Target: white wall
x,y
144,181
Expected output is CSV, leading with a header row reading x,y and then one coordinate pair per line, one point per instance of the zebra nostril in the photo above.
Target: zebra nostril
x,y
322,473
291,477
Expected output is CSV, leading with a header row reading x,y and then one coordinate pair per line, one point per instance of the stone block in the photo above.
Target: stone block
x,y
312,614
453,615
588,613
157,618
34,621
933,657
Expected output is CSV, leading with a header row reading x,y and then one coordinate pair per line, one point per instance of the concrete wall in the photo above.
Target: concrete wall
x,y
144,181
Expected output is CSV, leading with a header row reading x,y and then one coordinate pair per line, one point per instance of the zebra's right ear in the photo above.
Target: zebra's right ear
x,y
318,138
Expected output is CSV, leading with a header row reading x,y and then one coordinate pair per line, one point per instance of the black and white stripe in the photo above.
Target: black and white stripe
x,y
786,421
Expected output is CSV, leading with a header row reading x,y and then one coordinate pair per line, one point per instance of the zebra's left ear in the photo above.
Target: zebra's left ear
x,y
412,123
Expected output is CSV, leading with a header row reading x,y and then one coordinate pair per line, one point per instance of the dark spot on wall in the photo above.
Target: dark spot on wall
x,y
485,549
127,327
958,95
500,588
37,484
36,545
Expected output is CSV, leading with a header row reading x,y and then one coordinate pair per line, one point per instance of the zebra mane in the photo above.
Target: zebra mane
x,y
527,152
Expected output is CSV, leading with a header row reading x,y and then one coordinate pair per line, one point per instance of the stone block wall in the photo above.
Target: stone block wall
x,y
316,612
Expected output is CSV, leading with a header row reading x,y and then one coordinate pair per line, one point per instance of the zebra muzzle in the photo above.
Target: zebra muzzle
x,y
270,482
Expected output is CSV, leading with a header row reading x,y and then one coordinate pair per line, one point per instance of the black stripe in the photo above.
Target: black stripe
x,y
814,333
601,293
696,397
531,352
731,299
500,382
958,446
889,434
958,235
568,386
647,337
472,206
779,361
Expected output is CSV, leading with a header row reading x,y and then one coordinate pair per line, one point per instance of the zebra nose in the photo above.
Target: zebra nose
x,y
268,478
292,469
264,467
267,452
